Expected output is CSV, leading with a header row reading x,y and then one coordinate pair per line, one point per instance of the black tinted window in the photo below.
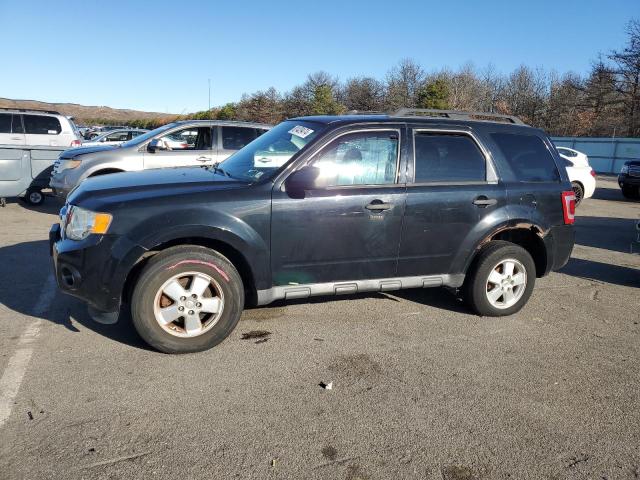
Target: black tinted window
x,y
41,125
448,158
5,123
16,125
528,156
234,138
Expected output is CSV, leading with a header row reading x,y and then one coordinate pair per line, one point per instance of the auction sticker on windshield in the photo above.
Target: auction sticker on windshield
x,y
300,131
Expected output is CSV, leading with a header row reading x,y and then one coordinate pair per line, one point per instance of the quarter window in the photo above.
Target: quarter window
x,y
448,158
364,158
528,157
41,125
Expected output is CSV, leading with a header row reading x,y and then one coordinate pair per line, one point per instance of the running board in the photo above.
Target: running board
x,y
288,292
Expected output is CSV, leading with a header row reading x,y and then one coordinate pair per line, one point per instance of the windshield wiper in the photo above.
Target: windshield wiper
x,y
217,169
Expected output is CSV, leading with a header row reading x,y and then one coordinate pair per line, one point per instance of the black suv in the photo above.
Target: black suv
x,y
326,205
629,179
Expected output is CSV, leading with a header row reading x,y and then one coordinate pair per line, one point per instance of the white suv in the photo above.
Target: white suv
x,y
37,127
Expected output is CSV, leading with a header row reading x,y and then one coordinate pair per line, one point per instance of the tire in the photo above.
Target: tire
x,y
34,196
187,268
578,191
630,191
478,286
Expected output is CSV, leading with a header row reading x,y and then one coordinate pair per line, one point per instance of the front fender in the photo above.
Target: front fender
x,y
210,225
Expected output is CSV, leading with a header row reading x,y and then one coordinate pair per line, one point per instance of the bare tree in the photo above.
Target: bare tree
x,y
403,83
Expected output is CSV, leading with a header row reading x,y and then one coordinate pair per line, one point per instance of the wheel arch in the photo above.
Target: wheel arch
x,y
531,237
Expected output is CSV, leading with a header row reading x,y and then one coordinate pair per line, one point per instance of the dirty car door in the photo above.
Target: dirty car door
x,y
349,228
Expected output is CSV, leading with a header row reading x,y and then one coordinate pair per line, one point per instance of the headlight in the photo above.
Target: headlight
x,y
624,169
68,164
81,223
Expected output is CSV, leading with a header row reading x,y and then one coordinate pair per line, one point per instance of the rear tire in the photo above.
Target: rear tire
x,y
578,191
34,196
501,279
187,299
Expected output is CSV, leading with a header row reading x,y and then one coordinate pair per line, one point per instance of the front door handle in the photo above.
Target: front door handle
x,y
203,159
378,206
483,201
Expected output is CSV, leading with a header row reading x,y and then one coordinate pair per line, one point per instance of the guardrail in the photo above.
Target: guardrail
x,y
606,155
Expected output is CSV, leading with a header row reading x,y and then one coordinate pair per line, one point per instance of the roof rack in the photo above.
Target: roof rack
x,y
458,115
52,112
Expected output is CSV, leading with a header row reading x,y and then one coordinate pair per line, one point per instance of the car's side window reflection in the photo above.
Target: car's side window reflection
x,y
363,158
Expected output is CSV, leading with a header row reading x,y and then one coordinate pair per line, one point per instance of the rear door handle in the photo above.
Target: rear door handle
x,y
378,205
203,159
483,201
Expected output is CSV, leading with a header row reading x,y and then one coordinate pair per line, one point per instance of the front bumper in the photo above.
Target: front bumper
x,y
94,269
60,187
628,180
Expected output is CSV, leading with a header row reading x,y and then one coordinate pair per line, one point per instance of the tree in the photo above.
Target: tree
x,y
227,112
434,94
403,82
324,103
363,94
627,72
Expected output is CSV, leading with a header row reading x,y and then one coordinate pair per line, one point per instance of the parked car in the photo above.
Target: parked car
x,y
37,127
114,137
581,175
629,179
184,143
362,203
30,141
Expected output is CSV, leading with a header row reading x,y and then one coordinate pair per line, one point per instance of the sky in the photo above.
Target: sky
x,y
159,55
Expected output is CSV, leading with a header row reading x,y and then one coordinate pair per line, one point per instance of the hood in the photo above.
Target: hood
x,y
633,162
74,152
160,183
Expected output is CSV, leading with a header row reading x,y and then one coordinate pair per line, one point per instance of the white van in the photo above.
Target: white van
x,y
37,128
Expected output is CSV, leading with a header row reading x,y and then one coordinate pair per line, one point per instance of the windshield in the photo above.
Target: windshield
x,y
146,136
260,159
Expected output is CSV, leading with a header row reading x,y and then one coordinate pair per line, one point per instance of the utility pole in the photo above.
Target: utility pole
x,y
209,110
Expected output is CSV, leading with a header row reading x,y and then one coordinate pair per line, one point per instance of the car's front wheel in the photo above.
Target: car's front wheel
x,y
187,299
501,280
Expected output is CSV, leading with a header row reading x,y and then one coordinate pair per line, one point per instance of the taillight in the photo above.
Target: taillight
x,y
593,173
569,207
76,143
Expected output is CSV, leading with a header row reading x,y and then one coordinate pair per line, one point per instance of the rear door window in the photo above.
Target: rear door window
x,y
234,138
41,125
528,157
444,157
16,124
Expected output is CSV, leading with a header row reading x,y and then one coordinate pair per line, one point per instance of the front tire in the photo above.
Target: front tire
x,y
630,191
501,280
187,299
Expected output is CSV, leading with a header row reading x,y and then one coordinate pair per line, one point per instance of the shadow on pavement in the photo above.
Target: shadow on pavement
x,y
603,272
605,232
24,268
611,194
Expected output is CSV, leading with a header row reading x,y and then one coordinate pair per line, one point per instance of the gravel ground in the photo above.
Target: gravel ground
x,y
421,387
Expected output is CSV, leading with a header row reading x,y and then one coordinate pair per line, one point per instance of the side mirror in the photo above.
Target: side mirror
x,y
300,181
156,144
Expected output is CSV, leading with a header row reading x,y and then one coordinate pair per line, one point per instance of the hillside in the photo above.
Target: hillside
x,y
83,113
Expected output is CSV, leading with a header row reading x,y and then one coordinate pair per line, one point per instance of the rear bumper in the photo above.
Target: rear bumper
x,y
94,269
559,245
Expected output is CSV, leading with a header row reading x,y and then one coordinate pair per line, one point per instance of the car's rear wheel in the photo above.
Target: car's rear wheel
x,y
187,299
578,191
34,196
501,280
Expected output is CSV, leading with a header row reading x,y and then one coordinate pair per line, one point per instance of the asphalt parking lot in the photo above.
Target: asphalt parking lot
x,y
421,387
